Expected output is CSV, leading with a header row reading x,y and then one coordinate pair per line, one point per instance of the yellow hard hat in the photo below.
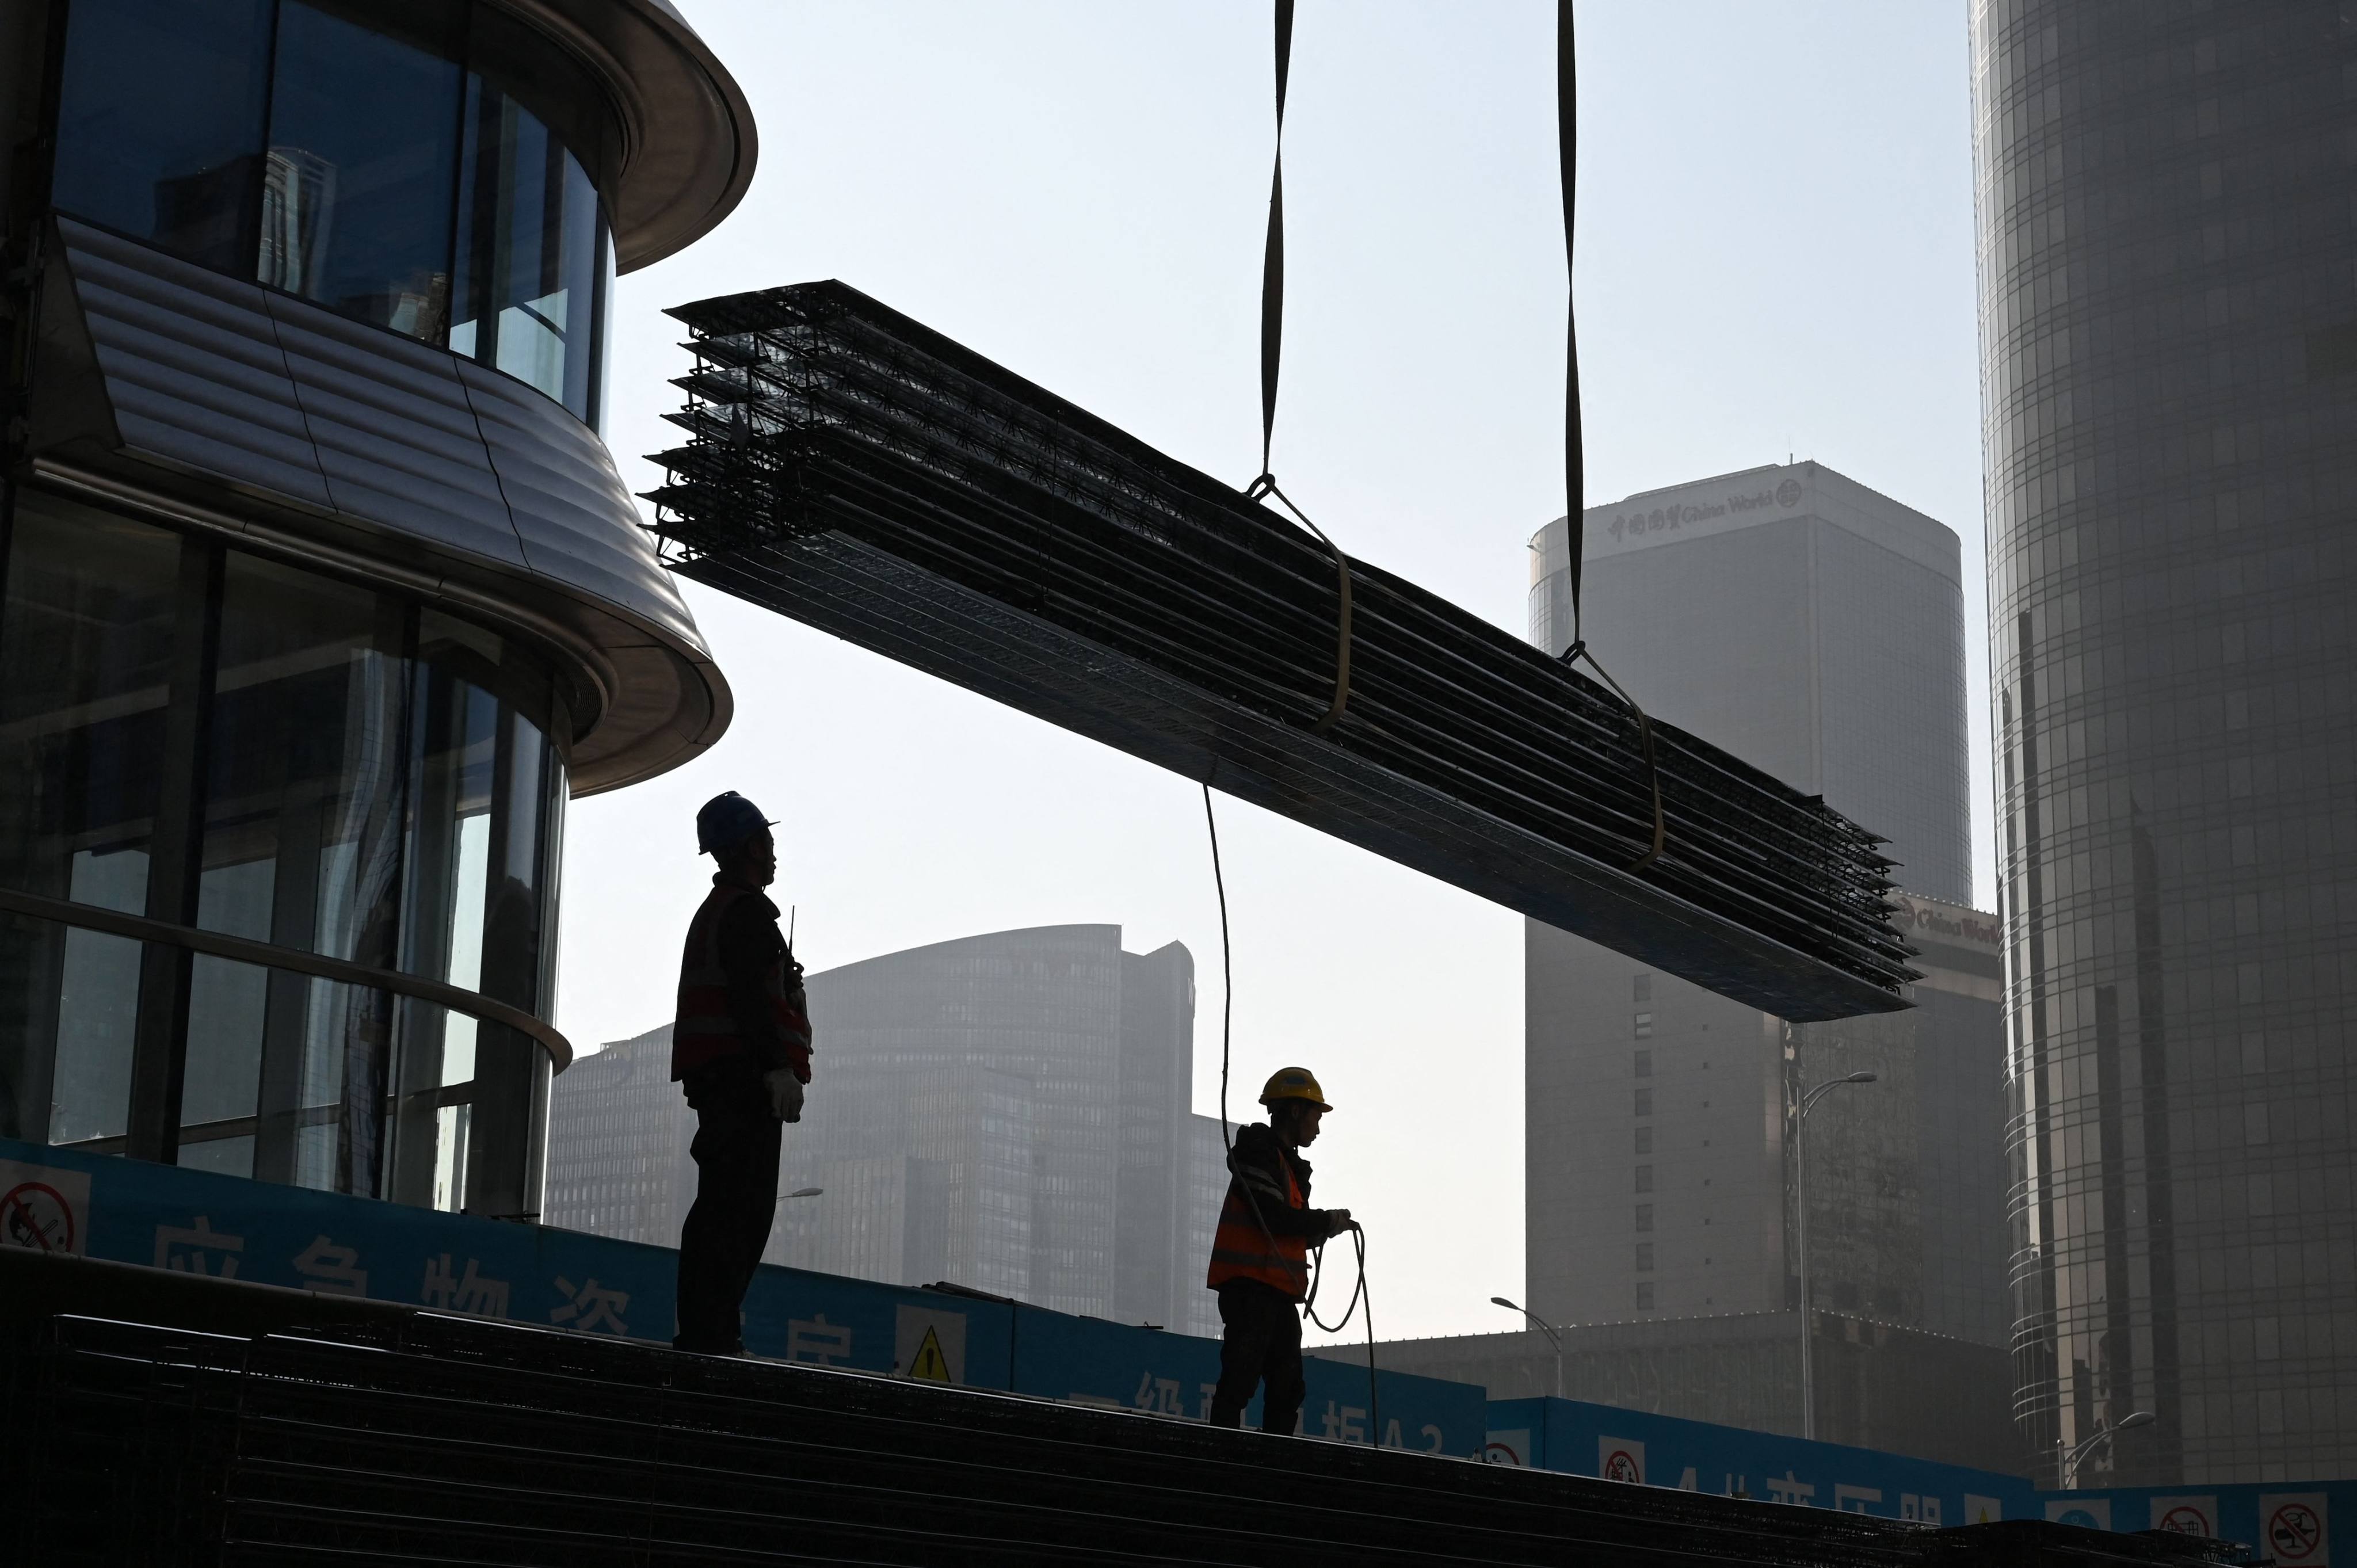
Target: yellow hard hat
x,y
1295,1083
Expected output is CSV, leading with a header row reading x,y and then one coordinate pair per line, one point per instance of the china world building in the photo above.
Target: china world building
x,y
1815,628
2167,275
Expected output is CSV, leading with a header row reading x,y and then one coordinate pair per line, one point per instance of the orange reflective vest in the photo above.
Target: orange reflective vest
x,y
1242,1249
705,1029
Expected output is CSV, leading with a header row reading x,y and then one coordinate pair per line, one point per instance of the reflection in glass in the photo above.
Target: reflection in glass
x,y
159,122
531,241
487,793
380,783
341,153
303,813
357,193
86,638
98,1014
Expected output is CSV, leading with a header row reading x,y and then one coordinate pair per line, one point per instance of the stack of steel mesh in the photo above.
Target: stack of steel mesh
x,y
860,472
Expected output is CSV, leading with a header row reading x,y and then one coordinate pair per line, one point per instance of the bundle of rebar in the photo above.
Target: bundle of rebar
x,y
860,472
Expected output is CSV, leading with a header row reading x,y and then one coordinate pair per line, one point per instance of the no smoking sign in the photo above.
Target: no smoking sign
x,y
43,1209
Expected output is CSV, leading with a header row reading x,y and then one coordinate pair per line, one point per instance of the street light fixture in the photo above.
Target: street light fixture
x,y
1555,1335
2086,1446
1801,1210
804,1192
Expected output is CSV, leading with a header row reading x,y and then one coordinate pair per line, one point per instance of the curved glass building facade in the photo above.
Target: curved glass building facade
x,y
319,595
357,775
2168,264
386,162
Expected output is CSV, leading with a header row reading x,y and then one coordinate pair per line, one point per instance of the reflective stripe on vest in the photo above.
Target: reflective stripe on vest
x,y
1243,1249
703,1029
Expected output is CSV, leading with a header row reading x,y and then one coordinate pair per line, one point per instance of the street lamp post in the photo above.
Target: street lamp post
x,y
2073,1457
1800,1212
1555,1335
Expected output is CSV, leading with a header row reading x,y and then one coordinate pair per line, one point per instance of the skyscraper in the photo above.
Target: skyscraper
x,y
1811,626
2168,264
1814,628
618,1130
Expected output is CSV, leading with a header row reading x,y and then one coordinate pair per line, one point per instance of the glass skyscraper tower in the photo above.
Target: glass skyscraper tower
x,y
2169,337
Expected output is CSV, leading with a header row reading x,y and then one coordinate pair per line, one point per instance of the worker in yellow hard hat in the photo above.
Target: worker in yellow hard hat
x,y
1260,1256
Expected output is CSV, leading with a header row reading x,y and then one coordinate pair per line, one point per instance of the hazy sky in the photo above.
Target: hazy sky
x,y
1775,217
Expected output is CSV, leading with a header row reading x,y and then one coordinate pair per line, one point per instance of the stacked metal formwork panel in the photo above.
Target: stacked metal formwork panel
x,y
858,471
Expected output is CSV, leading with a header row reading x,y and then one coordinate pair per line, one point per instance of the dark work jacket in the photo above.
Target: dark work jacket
x,y
741,1005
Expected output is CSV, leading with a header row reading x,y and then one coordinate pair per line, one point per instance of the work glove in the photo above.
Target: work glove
x,y
785,1093
1341,1221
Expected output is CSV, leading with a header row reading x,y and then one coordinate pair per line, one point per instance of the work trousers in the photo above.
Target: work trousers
x,y
735,1152
1262,1342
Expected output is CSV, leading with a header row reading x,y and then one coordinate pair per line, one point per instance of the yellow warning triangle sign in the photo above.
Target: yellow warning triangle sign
x,y
929,1363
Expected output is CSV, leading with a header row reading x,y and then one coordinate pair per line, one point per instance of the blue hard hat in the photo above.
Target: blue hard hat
x,y
725,821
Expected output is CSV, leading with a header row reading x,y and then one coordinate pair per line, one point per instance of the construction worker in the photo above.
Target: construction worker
x,y
741,1047
1260,1256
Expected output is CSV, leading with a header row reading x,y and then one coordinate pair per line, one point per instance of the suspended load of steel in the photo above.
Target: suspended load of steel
x,y
862,473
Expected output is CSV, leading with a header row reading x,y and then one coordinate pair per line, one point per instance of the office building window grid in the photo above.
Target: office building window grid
x,y
2169,275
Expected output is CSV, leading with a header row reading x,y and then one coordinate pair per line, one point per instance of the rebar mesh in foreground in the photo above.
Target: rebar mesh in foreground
x,y
860,472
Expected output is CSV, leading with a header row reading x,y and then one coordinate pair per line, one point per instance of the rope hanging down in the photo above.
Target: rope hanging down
x,y
1359,1294
1272,356
1575,476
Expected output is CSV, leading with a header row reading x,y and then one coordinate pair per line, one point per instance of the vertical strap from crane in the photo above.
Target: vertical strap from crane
x,y
1272,272
1575,476
1272,356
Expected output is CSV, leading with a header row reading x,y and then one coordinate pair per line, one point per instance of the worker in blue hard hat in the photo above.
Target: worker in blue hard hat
x,y
741,1047
1260,1254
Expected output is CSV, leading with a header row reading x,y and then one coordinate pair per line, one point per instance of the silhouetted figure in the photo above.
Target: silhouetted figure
x,y
741,1047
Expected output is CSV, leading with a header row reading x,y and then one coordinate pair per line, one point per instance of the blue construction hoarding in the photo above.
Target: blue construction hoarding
x,y
195,1222
1619,1444
2293,1524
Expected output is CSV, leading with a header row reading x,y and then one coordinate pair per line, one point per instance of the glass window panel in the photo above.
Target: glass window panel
x,y
86,655
555,86
305,774
452,1124
454,766
303,816
532,257
231,1155
358,180
466,943
159,122
227,1000
97,1018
